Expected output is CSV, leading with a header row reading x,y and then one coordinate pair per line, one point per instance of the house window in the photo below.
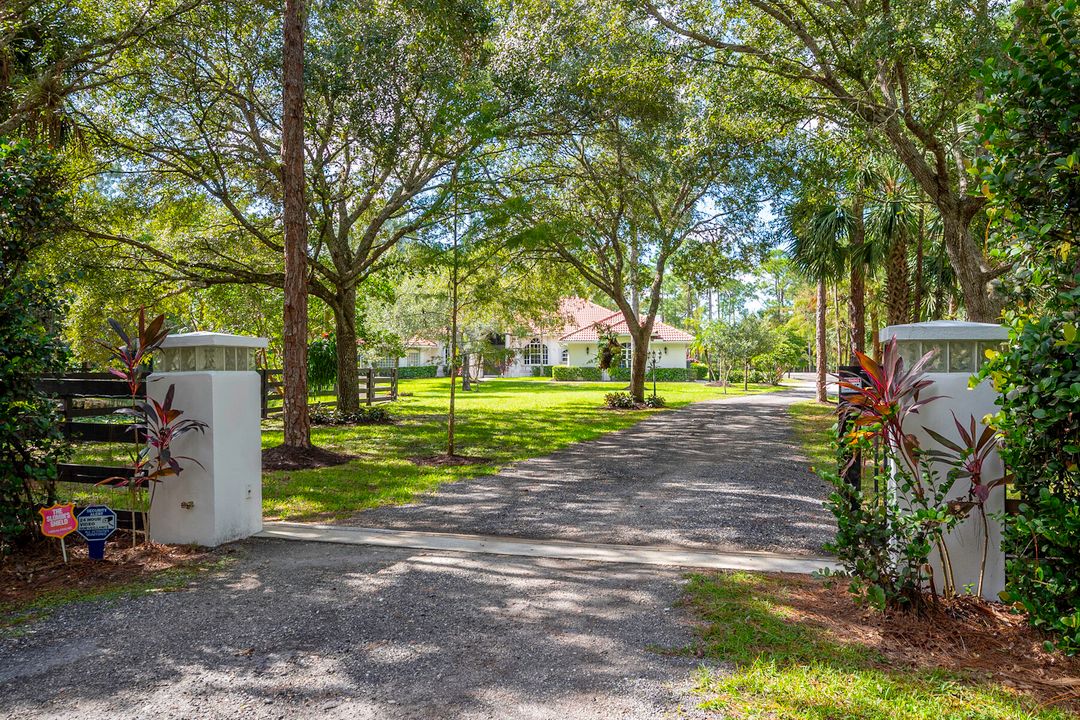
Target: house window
x,y
627,355
535,353
412,359
384,362
564,358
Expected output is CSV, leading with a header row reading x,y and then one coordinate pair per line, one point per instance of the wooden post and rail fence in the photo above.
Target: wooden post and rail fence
x,y
88,402
377,385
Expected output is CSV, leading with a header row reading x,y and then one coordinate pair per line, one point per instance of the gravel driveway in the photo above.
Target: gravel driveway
x,y
725,474
306,630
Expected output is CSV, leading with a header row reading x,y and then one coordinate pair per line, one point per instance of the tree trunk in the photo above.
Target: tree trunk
x,y
638,359
466,377
348,374
966,259
897,283
876,336
746,374
857,280
836,315
916,303
296,417
822,298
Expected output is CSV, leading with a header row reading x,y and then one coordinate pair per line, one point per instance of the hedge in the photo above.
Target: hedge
x,y
541,371
701,371
561,372
662,374
416,371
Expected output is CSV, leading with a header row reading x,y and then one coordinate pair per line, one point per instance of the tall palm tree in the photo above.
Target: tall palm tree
x,y
892,221
817,251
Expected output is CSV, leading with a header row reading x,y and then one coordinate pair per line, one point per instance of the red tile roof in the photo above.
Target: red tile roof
x,y
591,328
419,342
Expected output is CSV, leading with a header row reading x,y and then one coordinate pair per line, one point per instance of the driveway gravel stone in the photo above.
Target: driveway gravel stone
x,y
725,474
307,630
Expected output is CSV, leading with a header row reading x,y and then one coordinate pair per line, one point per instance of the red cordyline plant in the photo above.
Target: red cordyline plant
x,y
967,459
891,394
156,425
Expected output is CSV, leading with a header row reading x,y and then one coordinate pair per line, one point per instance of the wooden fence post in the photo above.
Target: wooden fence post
x,y
371,386
393,383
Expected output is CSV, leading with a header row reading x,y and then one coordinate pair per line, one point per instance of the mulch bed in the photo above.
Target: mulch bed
x,y
444,460
288,458
40,569
965,634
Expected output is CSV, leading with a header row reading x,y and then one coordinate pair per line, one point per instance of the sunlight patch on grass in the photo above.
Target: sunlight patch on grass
x,y
771,665
813,423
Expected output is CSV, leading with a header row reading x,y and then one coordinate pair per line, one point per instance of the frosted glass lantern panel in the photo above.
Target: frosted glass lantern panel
x,y
962,356
909,351
939,363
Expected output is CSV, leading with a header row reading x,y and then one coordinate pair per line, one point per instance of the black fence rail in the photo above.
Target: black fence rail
x,y
84,396
377,385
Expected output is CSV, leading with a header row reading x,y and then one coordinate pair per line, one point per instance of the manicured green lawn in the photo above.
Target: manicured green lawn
x,y
770,660
813,423
503,421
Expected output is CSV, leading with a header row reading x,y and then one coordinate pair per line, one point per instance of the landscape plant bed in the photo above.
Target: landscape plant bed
x,y
36,579
288,458
799,648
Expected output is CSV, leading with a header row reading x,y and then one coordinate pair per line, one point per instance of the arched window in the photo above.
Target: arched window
x,y
535,353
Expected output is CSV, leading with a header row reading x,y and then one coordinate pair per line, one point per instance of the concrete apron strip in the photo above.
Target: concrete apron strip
x,y
553,549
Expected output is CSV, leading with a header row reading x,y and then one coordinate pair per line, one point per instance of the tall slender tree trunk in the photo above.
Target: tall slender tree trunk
x,y
639,358
348,373
857,280
917,301
897,283
836,316
822,299
875,326
297,419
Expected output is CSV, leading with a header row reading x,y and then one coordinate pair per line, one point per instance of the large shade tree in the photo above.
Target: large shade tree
x,y
396,94
900,71
638,162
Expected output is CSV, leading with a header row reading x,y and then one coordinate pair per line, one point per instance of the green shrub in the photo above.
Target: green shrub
x,y
622,374
764,377
366,415
620,401
30,441
575,374
700,371
417,371
322,364
1039,381
655,401
541,371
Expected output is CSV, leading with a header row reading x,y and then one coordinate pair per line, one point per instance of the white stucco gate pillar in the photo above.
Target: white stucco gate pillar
x,y
961,348
217,383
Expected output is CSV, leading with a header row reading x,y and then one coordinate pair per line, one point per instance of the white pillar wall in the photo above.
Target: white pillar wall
x,y
961,350
217,383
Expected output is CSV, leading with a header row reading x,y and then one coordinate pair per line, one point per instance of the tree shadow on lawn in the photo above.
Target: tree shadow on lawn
x,y
794,648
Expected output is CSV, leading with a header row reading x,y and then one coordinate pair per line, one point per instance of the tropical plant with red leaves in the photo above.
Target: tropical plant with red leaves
x,y
967,459
156,424
883,402
134,352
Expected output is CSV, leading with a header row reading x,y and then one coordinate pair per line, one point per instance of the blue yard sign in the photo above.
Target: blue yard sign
x,y
97,523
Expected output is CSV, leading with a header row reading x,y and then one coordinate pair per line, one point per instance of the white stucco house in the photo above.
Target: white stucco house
x,y
571,341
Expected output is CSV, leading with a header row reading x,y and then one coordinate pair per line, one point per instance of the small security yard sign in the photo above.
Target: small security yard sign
x,y
96,524
59,521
